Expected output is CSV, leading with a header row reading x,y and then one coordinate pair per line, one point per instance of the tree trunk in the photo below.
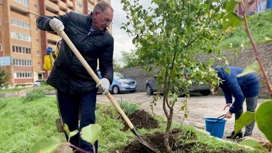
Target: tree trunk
x,y
167,132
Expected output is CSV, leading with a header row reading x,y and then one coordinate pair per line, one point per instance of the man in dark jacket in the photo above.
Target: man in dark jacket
x,y
76,90
241,88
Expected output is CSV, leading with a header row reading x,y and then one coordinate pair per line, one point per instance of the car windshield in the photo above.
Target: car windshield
x,y
119,76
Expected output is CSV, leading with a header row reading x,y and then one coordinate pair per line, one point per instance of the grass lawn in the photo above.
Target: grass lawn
x,y
23,123
11,90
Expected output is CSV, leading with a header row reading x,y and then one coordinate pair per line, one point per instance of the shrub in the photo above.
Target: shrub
x,y
34,94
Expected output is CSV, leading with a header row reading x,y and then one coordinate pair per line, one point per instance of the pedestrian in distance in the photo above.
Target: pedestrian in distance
x,y
242,88
76,90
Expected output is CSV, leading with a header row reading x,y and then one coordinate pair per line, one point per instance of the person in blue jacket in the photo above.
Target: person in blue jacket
x,y
241,88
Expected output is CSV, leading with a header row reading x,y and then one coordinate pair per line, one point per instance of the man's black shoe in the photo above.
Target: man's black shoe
x,y
232,136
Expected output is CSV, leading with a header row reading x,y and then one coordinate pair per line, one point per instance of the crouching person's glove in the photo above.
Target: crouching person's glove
x,y
103,85
56,25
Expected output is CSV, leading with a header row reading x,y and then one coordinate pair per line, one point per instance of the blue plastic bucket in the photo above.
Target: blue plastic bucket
x,y
215,126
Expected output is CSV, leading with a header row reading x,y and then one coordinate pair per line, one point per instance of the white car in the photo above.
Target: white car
x,y
38,83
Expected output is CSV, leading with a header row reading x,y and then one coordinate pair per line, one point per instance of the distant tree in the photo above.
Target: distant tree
x,y
116,66
4,78
130,58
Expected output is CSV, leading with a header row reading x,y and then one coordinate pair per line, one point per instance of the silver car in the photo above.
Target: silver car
x,y
151,87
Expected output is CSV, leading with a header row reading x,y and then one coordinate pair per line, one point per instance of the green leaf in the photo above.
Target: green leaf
x,y
243,120
45,145
230,6
90,133
66,129
251,68
251,143
267,38
231,20
73,133
227,70
263,117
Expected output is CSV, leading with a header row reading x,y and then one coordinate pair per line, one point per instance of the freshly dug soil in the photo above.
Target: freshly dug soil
x,y
156,140
141,119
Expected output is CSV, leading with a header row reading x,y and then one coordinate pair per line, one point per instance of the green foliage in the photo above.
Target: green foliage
x,y
22,124
252,143
4,78
45,145
128,107
259,26
91,133
34,94
116,66
168,36
263,119
130,58
263,113
251,68
243,120
67,131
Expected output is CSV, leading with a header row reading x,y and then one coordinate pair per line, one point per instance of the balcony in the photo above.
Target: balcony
x,y
52,37
51,6
24,9
48,13
62,5
61,12
70,4
69,10
91,1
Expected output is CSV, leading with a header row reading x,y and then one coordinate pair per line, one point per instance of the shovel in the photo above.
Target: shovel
x,y
112,100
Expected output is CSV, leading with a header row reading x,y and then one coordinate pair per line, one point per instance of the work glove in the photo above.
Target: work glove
x,y
103,85
56,25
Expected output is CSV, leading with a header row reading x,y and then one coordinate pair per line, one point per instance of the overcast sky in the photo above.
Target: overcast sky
x,y
122,42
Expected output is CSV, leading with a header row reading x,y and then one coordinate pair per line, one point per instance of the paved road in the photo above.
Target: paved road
x,y
199,108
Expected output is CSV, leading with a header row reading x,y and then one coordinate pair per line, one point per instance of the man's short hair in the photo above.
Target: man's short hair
x,y
102,6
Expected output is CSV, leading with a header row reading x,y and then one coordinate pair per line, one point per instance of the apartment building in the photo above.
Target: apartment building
x,y
22,44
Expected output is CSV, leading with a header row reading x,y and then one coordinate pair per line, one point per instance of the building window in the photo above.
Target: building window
x,y
24,2
20,36
37,41
38,53
78,4
20,24
22,62
20,49
22,74
0,47
77,11
90,9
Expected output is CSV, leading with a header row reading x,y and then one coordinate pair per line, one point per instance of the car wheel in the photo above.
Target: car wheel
x,y
132,91
149,90
115,90
35,85
205,93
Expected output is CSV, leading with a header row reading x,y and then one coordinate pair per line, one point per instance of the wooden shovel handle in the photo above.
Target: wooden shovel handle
x,y
94,76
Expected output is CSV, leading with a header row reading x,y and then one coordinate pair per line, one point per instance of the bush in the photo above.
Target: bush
x,y
36,93
128,107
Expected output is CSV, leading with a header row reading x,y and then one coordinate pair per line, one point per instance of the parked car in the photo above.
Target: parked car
x,y
152,87
38,83
120,83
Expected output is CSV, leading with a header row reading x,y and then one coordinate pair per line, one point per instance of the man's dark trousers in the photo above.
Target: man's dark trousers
x,y
73,107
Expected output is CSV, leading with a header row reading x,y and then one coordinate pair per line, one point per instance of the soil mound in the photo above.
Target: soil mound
x,y
156,140
142,119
